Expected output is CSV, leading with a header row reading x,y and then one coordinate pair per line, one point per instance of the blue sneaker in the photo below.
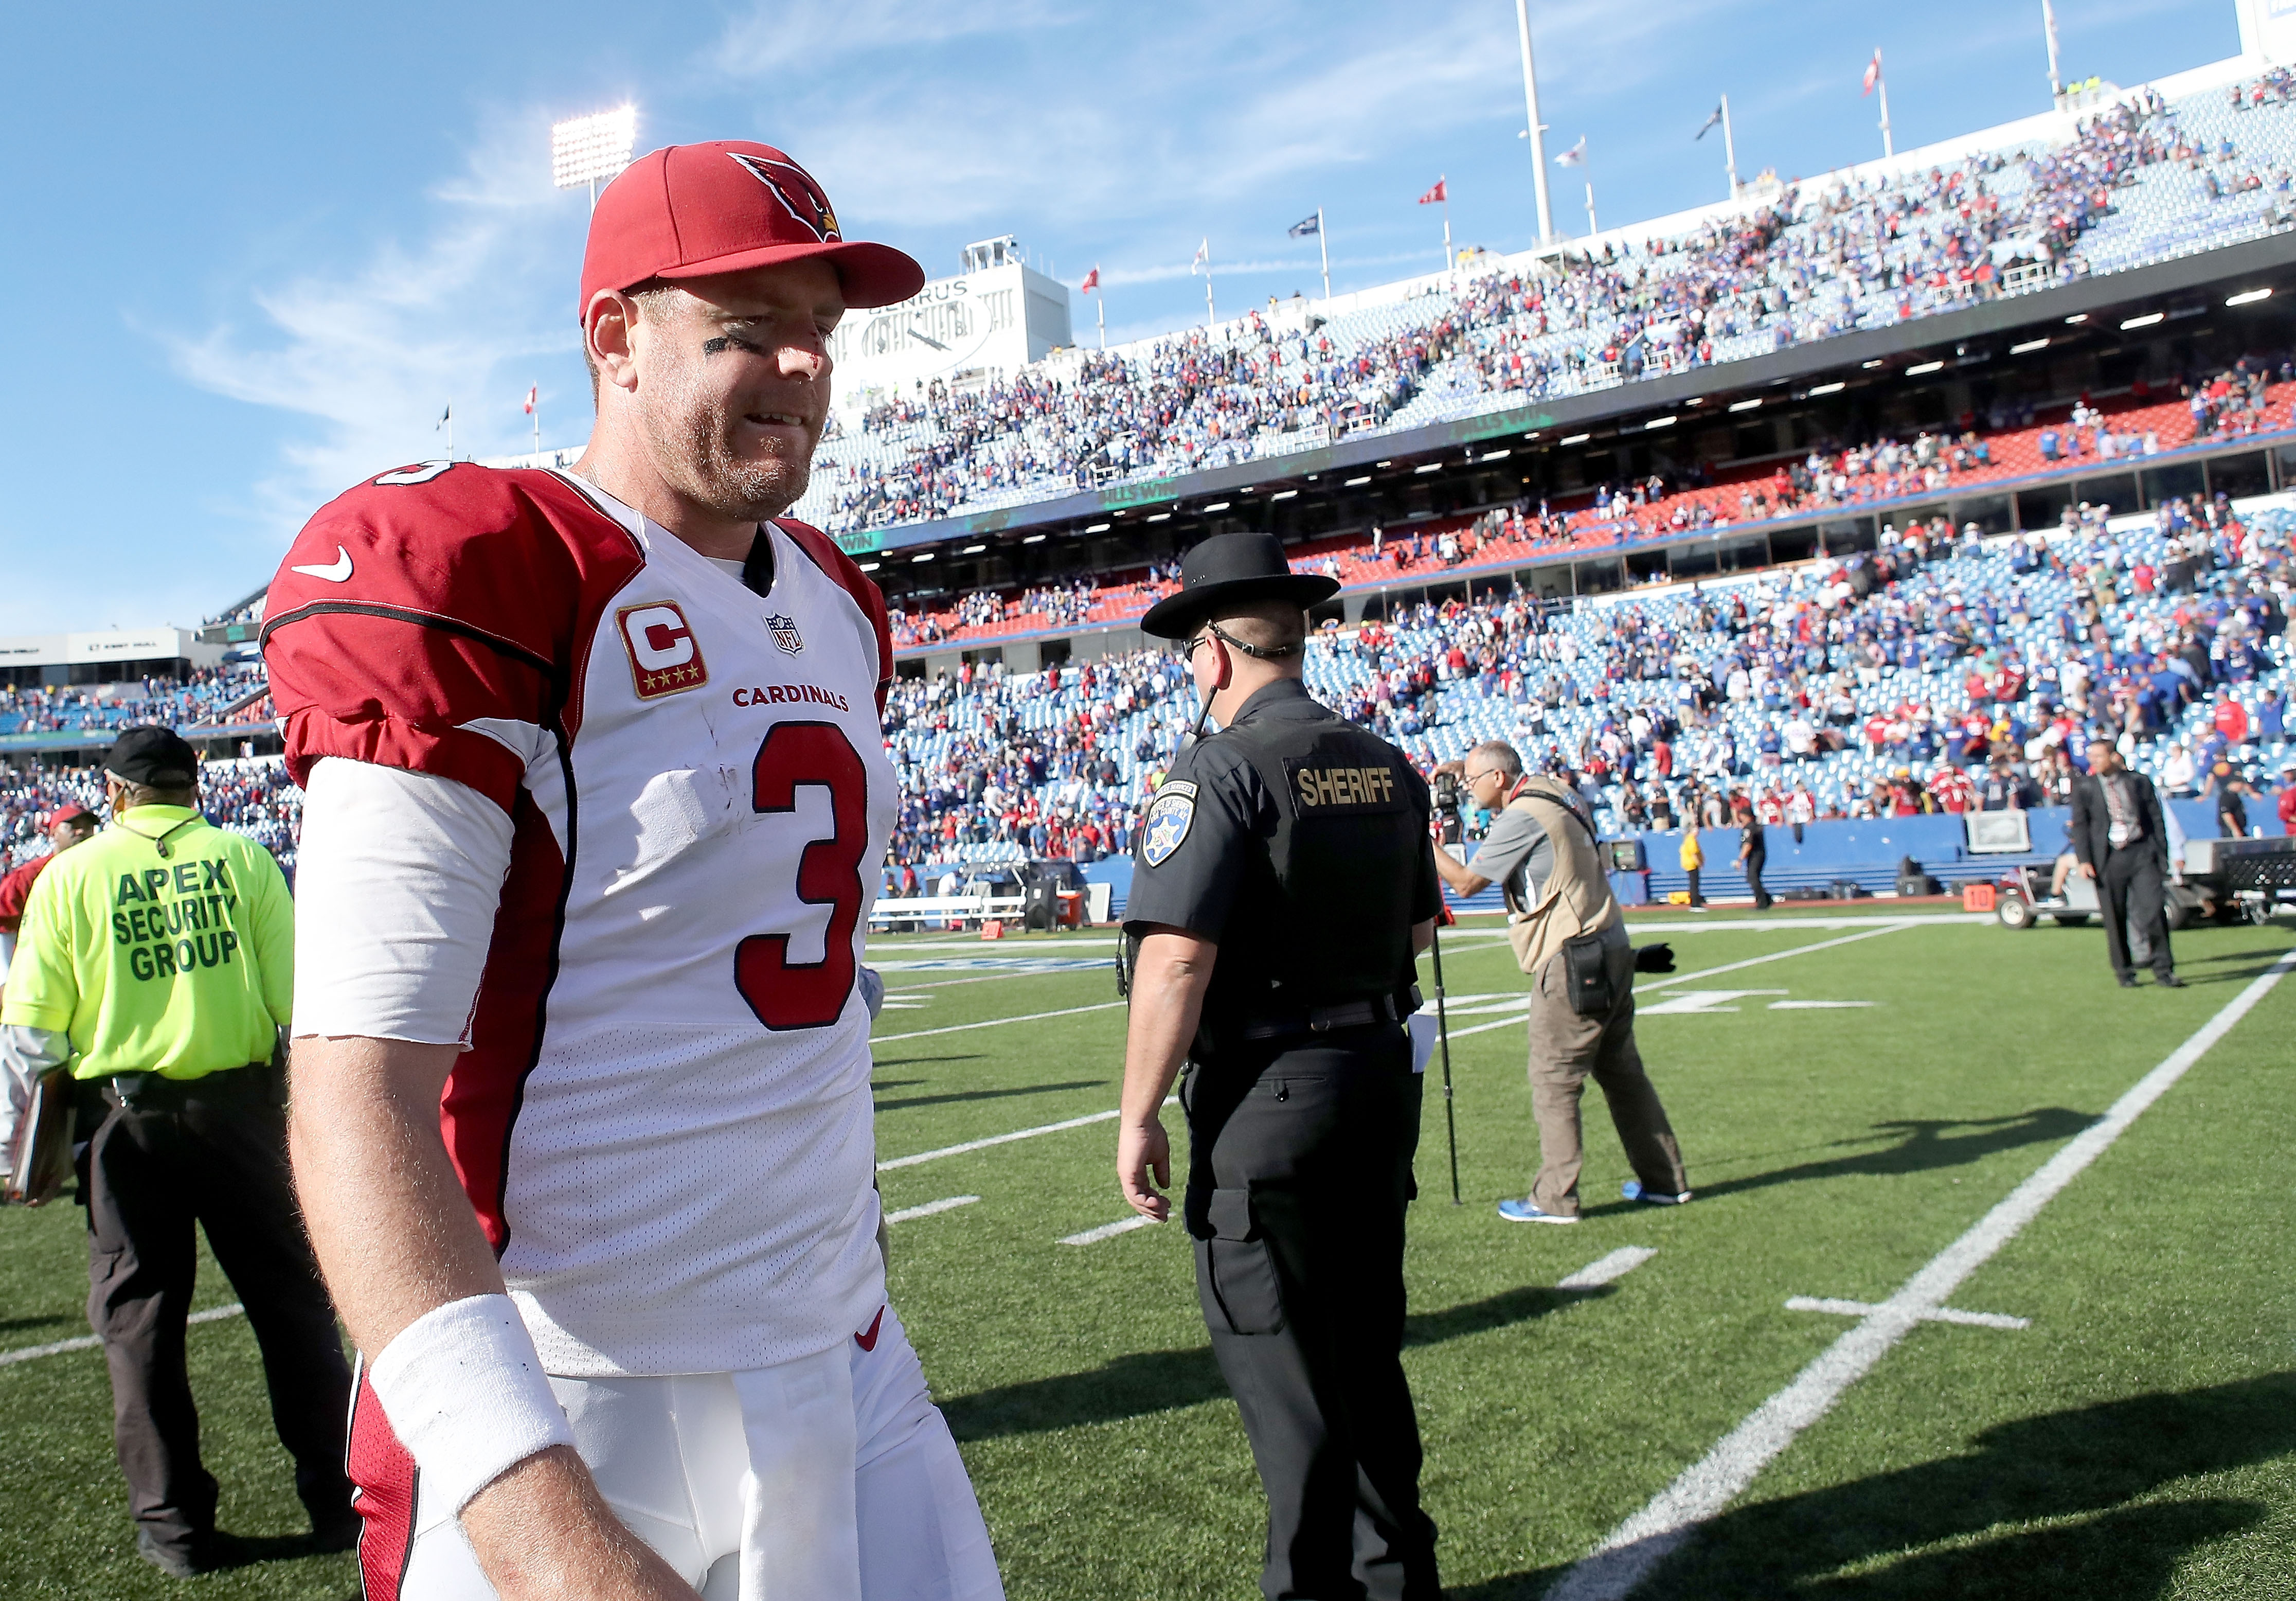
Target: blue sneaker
x,y
1633,1190
1523,1212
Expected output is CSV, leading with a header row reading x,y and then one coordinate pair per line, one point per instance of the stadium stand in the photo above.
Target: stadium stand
x,y
2143,180
1936,675
2239,402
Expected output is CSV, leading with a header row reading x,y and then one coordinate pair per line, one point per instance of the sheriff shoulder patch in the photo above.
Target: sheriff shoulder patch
x,y
1169,816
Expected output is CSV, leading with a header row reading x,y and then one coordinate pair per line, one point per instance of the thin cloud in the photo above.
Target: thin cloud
x,y
370,356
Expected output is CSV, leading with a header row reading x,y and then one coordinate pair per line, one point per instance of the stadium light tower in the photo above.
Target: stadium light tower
x,y
590,150
1537,130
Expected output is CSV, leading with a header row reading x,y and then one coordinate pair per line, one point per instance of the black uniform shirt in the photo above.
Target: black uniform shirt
x,y
1297,842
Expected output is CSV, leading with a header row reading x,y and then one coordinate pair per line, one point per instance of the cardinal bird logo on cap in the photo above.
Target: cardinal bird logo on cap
x,y
807,204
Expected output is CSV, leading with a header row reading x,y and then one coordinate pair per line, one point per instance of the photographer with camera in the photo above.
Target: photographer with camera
x,y
1570,938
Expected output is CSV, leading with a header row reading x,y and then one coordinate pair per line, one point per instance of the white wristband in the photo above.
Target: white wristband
x,y
464,1390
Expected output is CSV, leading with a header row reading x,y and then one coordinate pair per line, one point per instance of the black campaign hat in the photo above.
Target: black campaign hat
x,y
1232,568
157,757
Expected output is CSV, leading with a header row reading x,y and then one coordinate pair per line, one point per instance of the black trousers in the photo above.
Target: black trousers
x,y
1754,864
216,1156
1300,1169
2129,884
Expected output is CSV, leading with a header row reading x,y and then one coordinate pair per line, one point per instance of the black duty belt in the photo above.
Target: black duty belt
x,y
1325,1020
156,1092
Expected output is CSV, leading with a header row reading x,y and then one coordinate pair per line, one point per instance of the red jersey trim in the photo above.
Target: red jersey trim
x,y
386,1480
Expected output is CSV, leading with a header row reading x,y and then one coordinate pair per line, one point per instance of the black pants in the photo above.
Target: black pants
x,y
1696,897
1299,1171
215,1155
1754,864
2129,885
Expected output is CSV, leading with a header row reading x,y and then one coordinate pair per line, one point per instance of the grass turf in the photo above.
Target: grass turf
x,y
2136,1440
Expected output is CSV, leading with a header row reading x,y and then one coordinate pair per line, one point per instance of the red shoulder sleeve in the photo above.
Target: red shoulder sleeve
x,y
16,889
857,583
430,602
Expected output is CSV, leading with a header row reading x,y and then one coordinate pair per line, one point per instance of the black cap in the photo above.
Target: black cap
x,y
1232,568
157,757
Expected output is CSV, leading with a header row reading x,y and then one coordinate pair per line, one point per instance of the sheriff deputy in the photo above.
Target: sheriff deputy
x,y
1284,883
156,961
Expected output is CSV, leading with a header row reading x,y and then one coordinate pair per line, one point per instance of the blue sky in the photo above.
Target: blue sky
x,y
258,248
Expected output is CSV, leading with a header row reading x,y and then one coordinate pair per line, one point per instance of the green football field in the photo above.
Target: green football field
x,y
1855,1095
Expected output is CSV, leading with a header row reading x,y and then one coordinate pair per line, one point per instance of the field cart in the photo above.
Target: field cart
x,y
2228,880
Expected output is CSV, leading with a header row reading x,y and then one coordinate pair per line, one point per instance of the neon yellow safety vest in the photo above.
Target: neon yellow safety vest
x,y
163,945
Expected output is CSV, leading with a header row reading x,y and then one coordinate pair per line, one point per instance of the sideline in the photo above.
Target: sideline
x,y
89,1342
1708,972
1643,1541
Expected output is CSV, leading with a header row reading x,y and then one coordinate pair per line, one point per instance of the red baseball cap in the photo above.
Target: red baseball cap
x,y
66,814
686,210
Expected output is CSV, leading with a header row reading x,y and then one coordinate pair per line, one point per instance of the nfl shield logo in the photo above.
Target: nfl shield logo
x,y
784,633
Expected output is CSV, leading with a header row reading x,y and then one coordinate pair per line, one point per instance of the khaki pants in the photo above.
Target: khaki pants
x,y
1565,1050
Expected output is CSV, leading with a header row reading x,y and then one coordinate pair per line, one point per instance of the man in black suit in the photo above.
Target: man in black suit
x,y
2122,842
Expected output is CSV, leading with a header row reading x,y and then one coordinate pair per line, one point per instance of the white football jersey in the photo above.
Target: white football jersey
x,y
664,1120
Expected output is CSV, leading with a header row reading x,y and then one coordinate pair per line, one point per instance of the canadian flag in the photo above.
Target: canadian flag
x,y
1872,74
1091,282
1435,196
533,394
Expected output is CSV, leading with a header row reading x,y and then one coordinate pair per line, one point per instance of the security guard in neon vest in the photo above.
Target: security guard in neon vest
x,y
1284,883
1570,938
157,961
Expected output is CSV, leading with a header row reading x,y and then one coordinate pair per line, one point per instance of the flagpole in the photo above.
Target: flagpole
x,y
1212,313
2049,29
1101,307
1592,228
1729,148
1323,245
1444,184
1882,82
536,390
1537,132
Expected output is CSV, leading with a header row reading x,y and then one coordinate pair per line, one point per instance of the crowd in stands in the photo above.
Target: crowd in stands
x,y
1936,673
1821,259
209,697
2256,394
249,797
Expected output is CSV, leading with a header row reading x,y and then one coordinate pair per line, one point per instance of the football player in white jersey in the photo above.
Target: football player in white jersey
x,y
596,802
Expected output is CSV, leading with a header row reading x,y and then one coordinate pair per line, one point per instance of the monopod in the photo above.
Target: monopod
x,y
1443,1039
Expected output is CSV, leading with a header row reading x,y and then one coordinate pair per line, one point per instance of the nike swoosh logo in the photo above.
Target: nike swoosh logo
x,y
868,1341
337,572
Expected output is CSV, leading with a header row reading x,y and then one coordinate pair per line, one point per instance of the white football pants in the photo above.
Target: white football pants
x,y
831,1478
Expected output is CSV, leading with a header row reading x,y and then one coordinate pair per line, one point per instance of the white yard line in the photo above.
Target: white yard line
x,y
1603,1269
1007,946
959,1028
1889,927
1639,1544
932,1208
1866,1309
1005,1139
89,1342
1109,1231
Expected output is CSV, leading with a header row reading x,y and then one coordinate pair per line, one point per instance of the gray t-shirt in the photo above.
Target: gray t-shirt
x,y
1517,856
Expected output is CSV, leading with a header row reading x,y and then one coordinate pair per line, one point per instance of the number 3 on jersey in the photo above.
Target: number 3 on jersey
x,y
786,995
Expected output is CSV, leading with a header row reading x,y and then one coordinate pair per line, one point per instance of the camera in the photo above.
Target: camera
x,y
1446,799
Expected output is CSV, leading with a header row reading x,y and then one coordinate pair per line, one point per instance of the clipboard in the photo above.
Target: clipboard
x,y
40,1159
